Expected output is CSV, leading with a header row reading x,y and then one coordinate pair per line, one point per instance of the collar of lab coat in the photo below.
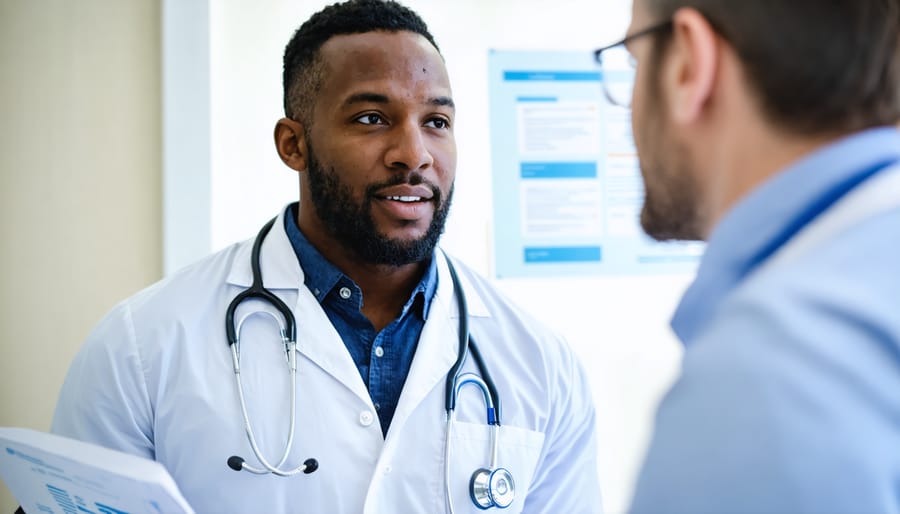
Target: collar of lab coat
x,y
281,270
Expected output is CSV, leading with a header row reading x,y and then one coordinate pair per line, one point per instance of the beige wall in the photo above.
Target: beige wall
x,y
80,182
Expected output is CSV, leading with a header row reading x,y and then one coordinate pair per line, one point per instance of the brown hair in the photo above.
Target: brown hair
x,y
817,66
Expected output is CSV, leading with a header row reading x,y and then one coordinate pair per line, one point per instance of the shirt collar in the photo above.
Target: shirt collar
x,y
321,276
769,216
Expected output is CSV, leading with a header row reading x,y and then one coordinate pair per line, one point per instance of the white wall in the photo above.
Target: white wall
x,y
618,325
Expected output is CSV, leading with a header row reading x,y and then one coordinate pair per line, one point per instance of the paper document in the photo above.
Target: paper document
x,y
54,474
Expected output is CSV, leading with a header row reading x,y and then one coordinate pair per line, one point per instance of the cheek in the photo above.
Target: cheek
x,y
645,109
444,154
356,164
637,100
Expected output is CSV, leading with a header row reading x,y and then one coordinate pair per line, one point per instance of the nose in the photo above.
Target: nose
x,y
408,149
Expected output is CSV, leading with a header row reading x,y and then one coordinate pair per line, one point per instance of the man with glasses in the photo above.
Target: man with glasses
x,y
768,129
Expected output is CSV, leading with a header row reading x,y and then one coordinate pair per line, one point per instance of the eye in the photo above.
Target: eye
x,y
438,123
370,118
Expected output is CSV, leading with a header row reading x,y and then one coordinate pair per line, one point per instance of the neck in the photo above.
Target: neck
x,y
385,289
738,147
738,158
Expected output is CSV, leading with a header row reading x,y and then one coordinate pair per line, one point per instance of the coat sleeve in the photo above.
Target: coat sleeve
x,y
104,398
566,478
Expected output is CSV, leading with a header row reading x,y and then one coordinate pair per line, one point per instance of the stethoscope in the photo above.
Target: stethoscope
x,y
492,486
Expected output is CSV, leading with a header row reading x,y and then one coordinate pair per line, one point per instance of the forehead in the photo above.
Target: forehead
x,y
391,63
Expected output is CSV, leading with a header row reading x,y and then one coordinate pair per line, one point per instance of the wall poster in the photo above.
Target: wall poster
x,y
566,185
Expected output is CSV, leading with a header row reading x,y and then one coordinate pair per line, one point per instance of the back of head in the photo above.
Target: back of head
x,y
302,68
817,66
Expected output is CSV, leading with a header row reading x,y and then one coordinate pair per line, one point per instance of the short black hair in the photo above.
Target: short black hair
x,y
302,70
817,66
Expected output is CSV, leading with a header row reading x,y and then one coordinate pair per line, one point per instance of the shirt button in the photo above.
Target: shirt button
x,y
345,292
366,418
377,406
379,351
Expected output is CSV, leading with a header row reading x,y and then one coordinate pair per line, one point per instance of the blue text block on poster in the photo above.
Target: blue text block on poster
x,y
535,254
558,170
553,76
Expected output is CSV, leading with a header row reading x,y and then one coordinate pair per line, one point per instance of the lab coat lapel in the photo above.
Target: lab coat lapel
x,y
317,338
319,341
277,261
438,345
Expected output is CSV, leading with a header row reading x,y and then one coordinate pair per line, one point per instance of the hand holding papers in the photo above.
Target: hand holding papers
x,y
50,473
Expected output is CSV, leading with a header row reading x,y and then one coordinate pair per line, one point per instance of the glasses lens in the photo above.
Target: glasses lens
x,y
617,67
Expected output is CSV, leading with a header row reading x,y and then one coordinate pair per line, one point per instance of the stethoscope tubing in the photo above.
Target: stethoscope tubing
x,y
268,468
288,338
257,290
466,346
463,380
456,380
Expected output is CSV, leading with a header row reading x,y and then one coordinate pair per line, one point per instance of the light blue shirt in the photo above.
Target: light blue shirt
x,y
789,398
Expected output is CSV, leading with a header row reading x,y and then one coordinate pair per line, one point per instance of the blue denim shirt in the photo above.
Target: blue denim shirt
x,y
383,358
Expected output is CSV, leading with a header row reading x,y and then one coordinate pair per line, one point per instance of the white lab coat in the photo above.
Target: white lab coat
x,y
155,379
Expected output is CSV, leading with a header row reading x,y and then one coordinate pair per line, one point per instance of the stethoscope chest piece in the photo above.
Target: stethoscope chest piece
x,y
492,488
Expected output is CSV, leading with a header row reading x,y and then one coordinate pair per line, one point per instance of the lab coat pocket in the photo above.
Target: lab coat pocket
x,y
518,452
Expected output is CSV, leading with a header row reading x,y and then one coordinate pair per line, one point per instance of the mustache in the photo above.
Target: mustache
x,y
412,179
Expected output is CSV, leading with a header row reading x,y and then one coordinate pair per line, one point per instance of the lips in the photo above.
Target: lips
x,y
405,203
406,193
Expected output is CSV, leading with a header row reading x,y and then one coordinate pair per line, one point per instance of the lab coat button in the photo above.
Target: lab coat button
x,y
366,418
345,292
387,470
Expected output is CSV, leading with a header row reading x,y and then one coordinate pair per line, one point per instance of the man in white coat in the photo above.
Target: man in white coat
x,y
368,126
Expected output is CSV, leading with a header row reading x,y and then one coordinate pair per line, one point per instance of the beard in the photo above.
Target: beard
x,y
351,224
672,193
671,207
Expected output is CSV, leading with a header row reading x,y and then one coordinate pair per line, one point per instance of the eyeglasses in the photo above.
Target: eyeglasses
x,y
617,66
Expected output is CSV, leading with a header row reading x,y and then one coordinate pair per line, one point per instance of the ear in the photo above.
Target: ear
x,y
694,62
290,141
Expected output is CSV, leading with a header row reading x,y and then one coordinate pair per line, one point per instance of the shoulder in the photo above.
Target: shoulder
x,y
826,323
838,302
190,286
787,397
167,311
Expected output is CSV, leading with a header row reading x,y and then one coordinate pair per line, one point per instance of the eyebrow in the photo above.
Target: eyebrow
x,y
443,101
378,98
